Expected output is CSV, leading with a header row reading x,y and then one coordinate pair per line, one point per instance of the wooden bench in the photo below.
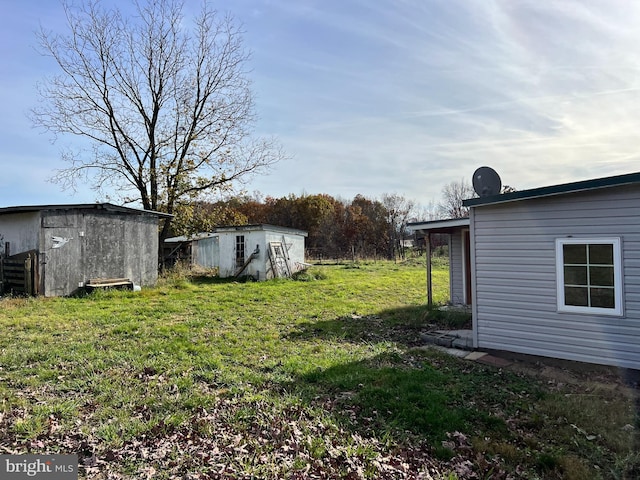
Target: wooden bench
x,y
122,283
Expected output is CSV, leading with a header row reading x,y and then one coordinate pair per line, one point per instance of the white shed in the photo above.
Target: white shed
x,y
260,251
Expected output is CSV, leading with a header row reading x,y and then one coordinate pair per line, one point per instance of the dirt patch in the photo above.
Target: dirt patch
x,y
567,372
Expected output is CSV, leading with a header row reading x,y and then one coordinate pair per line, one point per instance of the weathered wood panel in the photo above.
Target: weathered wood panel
x,y
20,273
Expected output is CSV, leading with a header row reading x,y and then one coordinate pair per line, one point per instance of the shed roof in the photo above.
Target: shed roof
x,y
190,238
261,226
82,206
562,189
440,226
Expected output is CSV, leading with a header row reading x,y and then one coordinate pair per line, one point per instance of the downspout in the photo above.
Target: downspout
x,y
450,250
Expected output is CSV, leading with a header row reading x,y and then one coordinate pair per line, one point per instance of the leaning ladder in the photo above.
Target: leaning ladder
x,y
279,259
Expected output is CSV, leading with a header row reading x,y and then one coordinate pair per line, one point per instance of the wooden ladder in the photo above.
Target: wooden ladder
x,y
279,258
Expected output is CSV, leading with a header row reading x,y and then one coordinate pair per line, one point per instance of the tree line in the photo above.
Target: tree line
x,y
361,227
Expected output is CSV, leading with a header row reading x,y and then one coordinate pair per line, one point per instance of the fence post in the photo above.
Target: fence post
x,y
28,278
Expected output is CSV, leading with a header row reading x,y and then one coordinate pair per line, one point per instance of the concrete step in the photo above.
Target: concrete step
x,y
461,339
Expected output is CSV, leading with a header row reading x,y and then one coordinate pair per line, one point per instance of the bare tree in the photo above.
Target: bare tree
x,y
167,110
452,196
399,210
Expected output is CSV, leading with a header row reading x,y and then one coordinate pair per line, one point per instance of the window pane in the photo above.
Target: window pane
x,y
601,254
575,275
576,296
601,276
603,298
575,254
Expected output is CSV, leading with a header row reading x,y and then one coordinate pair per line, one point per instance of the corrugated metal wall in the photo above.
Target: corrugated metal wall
x,y
206,252
515,275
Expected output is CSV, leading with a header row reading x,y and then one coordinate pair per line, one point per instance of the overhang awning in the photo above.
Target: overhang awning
x,y
439,226
448,226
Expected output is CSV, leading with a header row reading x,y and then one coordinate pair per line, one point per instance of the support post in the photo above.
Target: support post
x,y
429,282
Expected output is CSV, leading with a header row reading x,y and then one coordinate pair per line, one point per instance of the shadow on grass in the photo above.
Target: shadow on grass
x,y
400,325
214,280
422,393
427,393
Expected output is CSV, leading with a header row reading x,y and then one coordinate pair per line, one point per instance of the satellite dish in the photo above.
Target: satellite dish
x,y
486,182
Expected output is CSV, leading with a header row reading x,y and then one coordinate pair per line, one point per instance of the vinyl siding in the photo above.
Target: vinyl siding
x,y
515,276
455,269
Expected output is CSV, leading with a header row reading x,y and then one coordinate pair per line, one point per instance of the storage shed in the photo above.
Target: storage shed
x,y
200,250
54,250
555,271
260,251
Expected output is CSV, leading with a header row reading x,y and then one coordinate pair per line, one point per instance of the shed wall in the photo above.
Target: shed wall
x,y
99,245
206,252
295,247
227,245
515,276
260,267
21,231
456,280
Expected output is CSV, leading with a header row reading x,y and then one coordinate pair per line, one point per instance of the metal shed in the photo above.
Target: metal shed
x,y
54,250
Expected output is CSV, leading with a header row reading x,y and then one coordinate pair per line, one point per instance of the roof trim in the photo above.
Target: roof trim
x,y
82,206
448,224
192,238
561,189
260,226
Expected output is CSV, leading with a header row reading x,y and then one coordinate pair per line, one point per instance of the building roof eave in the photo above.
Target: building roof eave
x,y
552,190
81,206
439,226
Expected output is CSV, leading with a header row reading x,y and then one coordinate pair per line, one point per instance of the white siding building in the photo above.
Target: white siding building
x,y
257,251
555,271
551,271
200,250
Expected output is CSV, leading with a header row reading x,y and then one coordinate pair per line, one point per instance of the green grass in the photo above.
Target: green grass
x,y
288,379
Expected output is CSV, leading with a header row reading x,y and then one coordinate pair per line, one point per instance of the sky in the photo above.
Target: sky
x,y
387,96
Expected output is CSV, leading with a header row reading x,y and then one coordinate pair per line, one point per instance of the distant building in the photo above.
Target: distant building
x,y
257,251
200,250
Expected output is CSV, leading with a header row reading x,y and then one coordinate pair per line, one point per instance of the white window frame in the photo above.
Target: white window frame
x,y
617,275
